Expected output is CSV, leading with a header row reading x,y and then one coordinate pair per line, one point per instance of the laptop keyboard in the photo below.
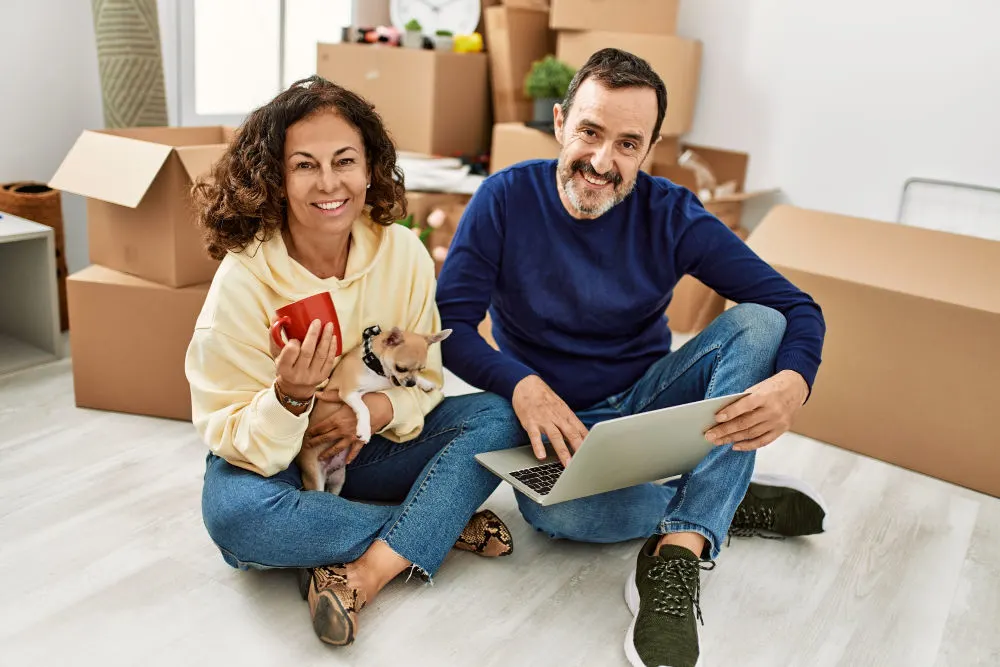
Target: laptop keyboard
x,y
539,479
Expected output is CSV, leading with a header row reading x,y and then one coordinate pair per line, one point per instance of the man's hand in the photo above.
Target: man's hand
x,y
541,411
758,419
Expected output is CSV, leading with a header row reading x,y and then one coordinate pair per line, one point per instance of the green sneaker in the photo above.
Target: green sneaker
x,y
777,506
662,594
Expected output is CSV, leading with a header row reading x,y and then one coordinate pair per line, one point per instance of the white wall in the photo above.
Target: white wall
x,y
839,103
50,93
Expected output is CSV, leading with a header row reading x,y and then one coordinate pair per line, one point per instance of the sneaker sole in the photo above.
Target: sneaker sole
x,y
632,601
796,484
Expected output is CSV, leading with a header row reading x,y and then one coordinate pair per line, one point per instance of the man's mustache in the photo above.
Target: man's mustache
x,y
584,167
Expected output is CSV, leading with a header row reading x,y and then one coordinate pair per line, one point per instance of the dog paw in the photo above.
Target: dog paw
x,y
364,434
426,385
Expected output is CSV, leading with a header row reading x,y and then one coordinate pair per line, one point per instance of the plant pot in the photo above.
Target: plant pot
x,y
543,108
444,43
413,39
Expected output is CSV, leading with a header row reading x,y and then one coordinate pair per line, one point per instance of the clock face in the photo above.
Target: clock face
x,y
459,16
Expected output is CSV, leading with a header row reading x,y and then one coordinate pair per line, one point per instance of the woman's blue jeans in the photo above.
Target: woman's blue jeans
x,y
416,496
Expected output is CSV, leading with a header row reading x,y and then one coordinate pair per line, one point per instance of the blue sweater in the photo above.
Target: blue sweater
x,y
581,302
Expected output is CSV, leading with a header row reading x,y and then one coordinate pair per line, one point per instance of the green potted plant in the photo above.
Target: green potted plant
x,y
413,38
546,84
422,233
444,40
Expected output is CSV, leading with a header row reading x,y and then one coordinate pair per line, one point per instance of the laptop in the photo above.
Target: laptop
x,y
617,453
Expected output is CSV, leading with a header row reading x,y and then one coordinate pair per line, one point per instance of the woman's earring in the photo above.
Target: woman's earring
x,y
368,187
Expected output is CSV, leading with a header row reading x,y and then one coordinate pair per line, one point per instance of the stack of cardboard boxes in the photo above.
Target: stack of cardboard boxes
x,y
132,311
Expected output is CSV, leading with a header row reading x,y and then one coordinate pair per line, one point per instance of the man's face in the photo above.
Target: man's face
x,y
605,139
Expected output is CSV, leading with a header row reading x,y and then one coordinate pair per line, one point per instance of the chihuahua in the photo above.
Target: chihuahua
x,y
382,361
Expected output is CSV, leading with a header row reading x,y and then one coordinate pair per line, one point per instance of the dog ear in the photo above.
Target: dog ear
x,y
438,337
394,338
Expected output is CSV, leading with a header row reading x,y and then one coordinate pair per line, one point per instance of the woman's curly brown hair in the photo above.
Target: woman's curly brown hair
x,y
242,200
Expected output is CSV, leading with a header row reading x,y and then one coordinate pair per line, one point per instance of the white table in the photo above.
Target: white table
x,y
29,296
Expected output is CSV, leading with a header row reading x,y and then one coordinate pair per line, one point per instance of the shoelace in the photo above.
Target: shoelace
x,y
751,521
679,580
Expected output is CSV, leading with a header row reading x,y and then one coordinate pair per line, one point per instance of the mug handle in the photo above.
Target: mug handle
x,y
276,329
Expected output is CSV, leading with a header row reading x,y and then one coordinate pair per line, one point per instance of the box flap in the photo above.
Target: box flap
x,y
725,165
946,267
110,168
198,160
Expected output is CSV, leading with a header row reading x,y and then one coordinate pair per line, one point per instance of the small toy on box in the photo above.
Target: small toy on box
x,y
382,34
469,43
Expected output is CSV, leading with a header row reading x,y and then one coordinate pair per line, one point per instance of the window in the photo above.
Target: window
x,y
237,54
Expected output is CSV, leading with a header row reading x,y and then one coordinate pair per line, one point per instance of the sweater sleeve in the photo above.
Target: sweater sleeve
x,y
465,287
234,407
712,253
411,404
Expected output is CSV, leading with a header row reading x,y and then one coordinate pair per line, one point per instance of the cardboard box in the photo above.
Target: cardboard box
x,y
727,166
421,204
433,102
676,60
137,182
518,37
515,142
540,5
911,361
129,340
694,305
639,16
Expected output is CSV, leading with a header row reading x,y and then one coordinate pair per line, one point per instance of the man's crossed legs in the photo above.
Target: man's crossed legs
x,y
697,511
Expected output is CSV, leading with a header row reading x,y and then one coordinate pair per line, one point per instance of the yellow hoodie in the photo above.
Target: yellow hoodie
x,y
389,281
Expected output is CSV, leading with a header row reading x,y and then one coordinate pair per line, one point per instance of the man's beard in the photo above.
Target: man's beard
x,y
589,203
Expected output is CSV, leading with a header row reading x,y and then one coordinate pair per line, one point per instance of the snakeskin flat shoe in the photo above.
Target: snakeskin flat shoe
x,y
486,535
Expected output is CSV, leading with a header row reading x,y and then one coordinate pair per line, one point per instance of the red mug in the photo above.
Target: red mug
x,y
295,318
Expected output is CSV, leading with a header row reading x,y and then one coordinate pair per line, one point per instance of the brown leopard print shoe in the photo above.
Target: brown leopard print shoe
x,y
486,535
333,605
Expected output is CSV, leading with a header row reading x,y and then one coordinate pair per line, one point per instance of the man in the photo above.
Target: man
x,y
576,260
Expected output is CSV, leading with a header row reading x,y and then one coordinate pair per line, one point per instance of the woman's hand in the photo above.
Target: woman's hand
x,y
301,367
334,425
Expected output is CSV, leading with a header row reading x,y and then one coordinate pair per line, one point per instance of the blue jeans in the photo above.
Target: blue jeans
x,y
732,354
433,485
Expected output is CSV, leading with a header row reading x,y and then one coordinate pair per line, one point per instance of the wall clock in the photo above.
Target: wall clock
x,y
461,17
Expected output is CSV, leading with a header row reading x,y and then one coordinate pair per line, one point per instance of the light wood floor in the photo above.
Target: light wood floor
x,y
104,561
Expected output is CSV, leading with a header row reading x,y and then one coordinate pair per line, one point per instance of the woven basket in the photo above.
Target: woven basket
x,y
40,203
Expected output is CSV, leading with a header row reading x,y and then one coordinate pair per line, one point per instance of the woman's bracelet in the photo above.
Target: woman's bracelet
x,y
287,400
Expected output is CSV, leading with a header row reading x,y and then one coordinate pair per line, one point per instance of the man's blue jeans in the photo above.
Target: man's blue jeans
x,y
433,483
732,354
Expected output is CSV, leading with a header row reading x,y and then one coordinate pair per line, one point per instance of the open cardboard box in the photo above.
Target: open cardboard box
x,y
422,204
137,181
911,360
130,337
726,166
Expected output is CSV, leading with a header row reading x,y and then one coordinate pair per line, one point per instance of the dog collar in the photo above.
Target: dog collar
x,y
369,357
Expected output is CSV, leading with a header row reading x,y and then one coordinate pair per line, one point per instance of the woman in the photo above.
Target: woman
x,y
303,202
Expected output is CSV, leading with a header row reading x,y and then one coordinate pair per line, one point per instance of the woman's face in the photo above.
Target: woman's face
x,y
326,174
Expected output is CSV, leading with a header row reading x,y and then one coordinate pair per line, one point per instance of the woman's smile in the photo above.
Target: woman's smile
x,y
330,207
